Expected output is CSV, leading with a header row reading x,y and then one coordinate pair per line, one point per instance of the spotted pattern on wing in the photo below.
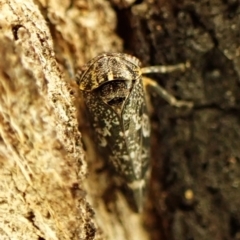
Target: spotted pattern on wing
x,y
112,88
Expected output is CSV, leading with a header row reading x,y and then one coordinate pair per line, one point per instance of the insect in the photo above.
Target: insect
x,y
112,87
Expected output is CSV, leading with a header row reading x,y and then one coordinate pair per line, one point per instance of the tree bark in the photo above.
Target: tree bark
x,y
42,160
51,188
195,179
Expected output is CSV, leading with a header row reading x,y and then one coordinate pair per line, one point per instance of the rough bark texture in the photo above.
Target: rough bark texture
x,y
42,160
47,191
196,157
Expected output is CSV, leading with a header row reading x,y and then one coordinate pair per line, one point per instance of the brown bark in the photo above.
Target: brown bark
x,y
50,189
41,166
195,180
42,160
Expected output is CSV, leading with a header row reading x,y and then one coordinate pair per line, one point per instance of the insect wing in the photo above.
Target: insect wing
x,y
112,89
136,127
106,125
123,139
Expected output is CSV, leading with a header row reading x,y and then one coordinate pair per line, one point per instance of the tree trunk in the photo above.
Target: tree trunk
x,y
51,188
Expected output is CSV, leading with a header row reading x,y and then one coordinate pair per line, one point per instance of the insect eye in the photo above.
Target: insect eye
x,y
115,92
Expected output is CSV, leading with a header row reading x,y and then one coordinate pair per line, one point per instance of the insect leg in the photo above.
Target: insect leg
x,y
148,82
165,69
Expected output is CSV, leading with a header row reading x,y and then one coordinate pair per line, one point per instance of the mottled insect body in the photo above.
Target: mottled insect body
x,y
112,88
